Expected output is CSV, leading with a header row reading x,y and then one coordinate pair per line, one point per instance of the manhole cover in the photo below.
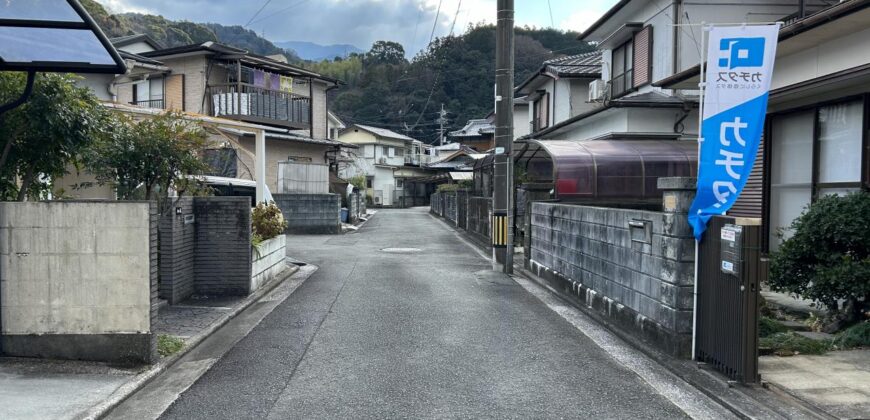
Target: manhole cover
x,y
401,250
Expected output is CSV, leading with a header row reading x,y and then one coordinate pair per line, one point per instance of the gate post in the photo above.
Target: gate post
x,y
729,275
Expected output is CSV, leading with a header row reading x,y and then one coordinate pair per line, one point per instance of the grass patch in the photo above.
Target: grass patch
x,y
168,345
769,326
855,336
790,344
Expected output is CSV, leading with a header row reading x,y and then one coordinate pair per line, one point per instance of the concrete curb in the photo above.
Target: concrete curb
x,y
139,381
735,398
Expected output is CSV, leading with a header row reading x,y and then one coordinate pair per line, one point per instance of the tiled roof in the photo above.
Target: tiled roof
x,y
474,128
383,132
580,64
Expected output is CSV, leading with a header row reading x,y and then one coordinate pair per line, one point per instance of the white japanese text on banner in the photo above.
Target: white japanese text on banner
x,y
739,69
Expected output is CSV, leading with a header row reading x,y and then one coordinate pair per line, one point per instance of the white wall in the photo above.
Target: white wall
x,y
137,48
75,268
98,84
622,120
521,120
724,12
810,61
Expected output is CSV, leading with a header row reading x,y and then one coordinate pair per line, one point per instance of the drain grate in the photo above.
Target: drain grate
x,y
402,250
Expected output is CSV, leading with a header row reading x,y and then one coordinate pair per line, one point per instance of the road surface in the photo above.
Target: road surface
x,y
421,330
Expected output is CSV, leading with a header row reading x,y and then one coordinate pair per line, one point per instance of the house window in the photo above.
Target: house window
x,y
542,112
631,63
369,151
369,181
622,63
400,183
148,93
814,152
391,152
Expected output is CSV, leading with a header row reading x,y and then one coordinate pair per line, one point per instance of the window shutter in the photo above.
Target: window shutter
x,y
749,204
643,57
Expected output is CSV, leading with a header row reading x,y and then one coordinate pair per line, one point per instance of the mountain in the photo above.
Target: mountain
x,y
171,33
316,52
386,89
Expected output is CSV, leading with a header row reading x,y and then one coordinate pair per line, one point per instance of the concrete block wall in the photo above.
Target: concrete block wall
x,y
268,261
222,259
78,280
634,266
177,249
311,213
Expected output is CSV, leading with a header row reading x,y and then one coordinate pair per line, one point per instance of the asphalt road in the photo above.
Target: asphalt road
x,y
377,334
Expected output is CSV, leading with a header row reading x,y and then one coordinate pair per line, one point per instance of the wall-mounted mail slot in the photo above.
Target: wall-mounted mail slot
x,y
640,231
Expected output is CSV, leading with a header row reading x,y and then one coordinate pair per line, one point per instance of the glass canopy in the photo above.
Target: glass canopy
x,y
610,170
53,36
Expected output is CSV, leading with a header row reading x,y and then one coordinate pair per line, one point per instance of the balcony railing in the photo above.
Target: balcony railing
x,y
153,103
256,104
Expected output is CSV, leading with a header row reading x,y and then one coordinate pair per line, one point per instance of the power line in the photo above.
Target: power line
x,y
550,6
258,13
435,24
279,11
438,74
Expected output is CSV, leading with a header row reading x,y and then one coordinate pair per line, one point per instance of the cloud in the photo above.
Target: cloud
x,y
581,19
357,22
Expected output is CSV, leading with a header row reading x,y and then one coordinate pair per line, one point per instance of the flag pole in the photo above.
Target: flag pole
x,y
702,85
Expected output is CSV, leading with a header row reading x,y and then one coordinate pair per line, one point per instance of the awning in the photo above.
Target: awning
x,y
623,170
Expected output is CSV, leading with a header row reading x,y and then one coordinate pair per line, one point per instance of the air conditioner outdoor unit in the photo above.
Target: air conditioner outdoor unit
x,y
596,90
382,161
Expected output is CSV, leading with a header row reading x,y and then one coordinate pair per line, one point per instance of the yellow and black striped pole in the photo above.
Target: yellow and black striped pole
x,y
500,231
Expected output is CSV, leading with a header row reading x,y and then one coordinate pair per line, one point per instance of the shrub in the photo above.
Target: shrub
x,y
854,336
267,221
828,258
768,326
789,344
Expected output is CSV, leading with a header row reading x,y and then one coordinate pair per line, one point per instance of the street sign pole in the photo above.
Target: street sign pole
x,y
502,201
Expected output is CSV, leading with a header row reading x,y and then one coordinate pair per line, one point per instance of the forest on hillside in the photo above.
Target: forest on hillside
x,y
383,87
172,33
386,89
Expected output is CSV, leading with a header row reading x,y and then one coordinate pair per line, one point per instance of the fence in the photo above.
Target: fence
x,y
729,274
479,218
302,178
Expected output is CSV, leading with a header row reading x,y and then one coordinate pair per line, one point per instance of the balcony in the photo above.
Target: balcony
x,y
245,102
153,103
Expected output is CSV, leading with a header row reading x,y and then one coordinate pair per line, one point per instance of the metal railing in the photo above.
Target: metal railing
x,y
153,103
244,101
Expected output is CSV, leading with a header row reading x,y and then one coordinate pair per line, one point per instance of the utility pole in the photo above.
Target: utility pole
x,y
442,119
502,200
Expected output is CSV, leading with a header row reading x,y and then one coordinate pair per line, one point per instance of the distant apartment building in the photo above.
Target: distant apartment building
x,y
386,158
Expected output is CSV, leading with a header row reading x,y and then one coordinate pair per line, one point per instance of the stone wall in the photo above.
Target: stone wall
x,y
222,261
78,280
635,267
311,213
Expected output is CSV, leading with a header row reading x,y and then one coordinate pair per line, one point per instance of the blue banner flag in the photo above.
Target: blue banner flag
x,y
739,68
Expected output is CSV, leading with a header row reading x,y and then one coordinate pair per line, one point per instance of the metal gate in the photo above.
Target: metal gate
x,y
729,277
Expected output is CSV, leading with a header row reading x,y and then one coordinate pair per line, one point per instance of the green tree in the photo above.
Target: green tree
x,y
828,257
149,157
46,134
386,52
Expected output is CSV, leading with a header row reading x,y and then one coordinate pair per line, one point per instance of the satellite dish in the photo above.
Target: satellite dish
x,y
54,36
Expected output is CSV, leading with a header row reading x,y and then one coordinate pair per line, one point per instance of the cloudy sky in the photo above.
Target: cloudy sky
x,y
361,22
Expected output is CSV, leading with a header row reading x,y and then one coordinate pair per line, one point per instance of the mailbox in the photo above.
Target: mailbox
x,y
731,251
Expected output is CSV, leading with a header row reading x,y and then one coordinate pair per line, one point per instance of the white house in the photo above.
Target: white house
x,y
816,136
385,158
